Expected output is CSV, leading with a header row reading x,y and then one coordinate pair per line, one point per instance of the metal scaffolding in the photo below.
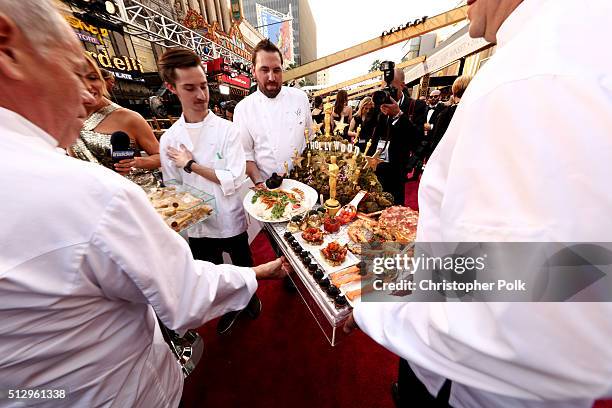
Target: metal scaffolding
x,y
142,22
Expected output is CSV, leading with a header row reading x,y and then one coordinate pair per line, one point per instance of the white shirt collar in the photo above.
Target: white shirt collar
x,y
208,120
17,123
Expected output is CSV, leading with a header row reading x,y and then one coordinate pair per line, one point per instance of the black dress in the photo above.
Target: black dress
x,y
320,117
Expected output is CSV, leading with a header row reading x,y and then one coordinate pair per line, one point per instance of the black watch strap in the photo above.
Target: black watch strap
x,y
187,167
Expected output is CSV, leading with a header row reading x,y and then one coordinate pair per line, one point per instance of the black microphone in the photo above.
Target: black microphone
x,y
120,146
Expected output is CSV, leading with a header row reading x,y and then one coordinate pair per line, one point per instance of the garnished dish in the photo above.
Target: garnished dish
x,y
334,253
313,236
346,214
395,224
282,204
277,204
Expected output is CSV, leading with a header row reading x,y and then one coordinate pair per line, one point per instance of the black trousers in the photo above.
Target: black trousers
x,y
393,180
413,393
211,249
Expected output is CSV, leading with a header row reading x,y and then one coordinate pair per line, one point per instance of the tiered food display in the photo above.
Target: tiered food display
x,y
325,242
179,209
355,171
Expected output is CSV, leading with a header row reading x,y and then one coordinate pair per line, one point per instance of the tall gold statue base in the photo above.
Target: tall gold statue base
x,y
332,206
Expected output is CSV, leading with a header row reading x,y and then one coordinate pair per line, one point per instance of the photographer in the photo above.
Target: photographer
x,y
401,123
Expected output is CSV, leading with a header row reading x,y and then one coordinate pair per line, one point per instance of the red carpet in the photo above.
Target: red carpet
x,y
282,359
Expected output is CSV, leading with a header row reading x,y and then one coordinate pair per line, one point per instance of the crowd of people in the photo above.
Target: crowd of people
x,y
89,271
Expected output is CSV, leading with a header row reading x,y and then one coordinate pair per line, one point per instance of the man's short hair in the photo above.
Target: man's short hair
x,y
176,58
267,46
49,22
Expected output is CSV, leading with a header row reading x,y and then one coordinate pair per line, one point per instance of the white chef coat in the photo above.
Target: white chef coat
x,y
527,157
84,261
272,128
218,147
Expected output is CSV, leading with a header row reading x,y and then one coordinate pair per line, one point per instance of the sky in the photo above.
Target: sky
x,y
344,23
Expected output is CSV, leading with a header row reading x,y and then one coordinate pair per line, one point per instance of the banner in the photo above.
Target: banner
x,y
278,28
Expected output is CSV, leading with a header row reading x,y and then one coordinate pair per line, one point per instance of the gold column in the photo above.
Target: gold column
x,y
219,17
203,9
225,15
210,11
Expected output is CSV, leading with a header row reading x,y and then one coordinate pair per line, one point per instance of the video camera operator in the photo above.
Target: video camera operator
x,y
400,122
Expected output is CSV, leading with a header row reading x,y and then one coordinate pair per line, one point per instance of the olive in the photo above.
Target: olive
x,y
296,218
312,267
287,235
333,291
318,275
306,260
325,283
340,301
304,253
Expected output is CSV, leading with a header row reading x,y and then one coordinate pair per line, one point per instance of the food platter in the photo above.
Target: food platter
x,y
279,205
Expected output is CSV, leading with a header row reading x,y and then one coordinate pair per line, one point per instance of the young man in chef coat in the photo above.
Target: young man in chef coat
x,y
273,119
204,151
508,172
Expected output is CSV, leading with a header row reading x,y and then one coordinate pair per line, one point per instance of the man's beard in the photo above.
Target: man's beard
x,y
269,93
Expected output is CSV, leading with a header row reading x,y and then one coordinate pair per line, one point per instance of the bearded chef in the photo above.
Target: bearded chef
x,y
273,119
508,171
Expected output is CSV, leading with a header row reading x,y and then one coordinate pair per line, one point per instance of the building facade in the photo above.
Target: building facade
x,y
286,21
131,55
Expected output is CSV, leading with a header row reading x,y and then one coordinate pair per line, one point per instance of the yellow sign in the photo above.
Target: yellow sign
x,y
80,25
121,62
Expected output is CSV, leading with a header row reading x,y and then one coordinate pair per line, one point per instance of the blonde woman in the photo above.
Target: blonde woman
x,y
360,119
106,117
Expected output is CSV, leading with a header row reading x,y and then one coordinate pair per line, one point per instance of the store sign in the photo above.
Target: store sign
x,y
120,63
78,24
88,38
240,81
129,77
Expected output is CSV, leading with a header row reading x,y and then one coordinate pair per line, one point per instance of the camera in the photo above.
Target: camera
x,y
383,96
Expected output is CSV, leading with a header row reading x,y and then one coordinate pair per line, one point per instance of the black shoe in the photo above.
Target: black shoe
x,y
395,394
227,321
253,309
289,285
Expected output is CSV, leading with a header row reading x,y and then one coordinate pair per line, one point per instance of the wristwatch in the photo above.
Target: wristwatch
x,y
187,167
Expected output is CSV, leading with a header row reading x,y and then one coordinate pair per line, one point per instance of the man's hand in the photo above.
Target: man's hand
x,y
125,166
390,109
427,126
179,157
350,324
277,269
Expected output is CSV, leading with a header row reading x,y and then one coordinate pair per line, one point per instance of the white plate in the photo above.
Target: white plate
x,y
310,199
349,260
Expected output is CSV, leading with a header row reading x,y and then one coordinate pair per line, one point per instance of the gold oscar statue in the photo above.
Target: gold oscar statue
x,y
356,138
332,205
365,152
328,109
306,136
